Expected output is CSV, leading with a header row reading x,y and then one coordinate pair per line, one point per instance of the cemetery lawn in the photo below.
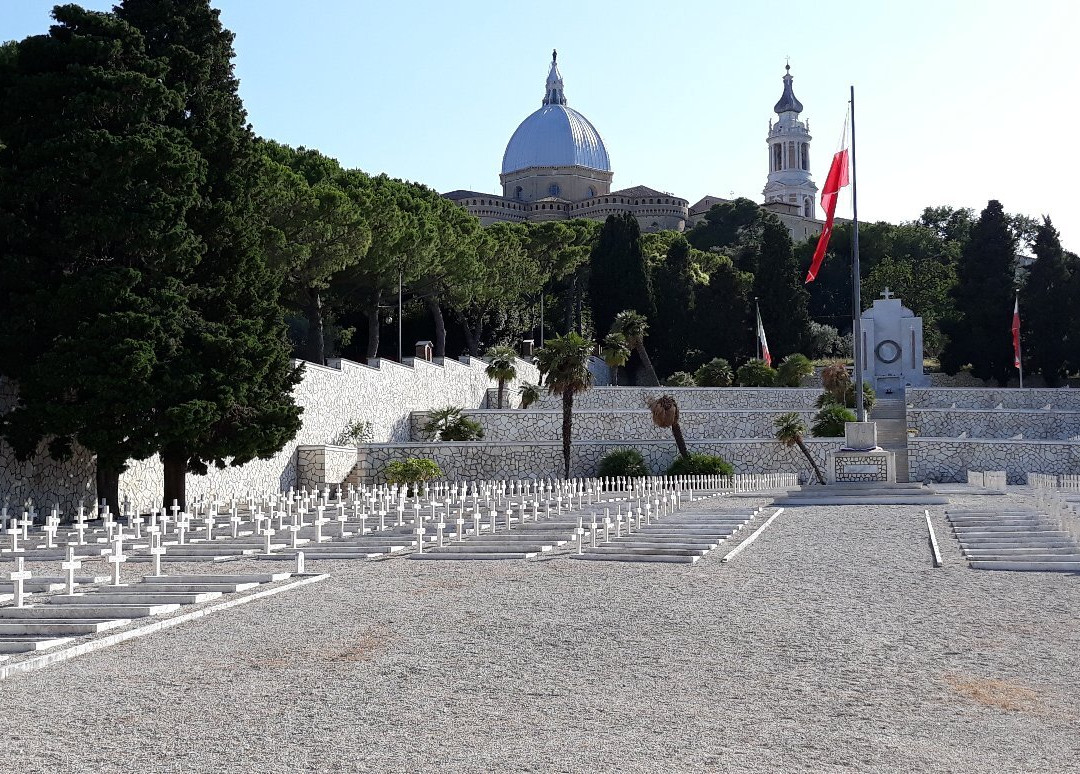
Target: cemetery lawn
x,y
828,645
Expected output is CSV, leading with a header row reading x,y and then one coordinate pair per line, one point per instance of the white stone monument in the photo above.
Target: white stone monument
x,y
892,346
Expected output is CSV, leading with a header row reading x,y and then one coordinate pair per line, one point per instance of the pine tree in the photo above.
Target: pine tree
x,y
619,277
95,190
983,295
778,285
231,382
1047,306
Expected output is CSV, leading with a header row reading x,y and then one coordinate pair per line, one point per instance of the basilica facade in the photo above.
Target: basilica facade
x,y
556,167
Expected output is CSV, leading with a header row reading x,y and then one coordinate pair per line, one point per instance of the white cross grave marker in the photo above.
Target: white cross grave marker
x,y
70,565
116,558
17,578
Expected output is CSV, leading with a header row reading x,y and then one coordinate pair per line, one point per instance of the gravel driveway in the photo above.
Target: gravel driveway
x,y
829,645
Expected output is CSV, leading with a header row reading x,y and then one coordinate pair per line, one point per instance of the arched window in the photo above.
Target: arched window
x,y
805,155
518,192
808,207
778,152
553,189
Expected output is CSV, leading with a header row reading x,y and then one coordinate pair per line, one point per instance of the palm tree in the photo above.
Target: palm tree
x,y
564,363
501,367
665,413
616,353
790,429
634,326
530,393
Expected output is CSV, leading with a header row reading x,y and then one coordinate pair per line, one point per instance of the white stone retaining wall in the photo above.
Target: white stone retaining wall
x,y
1061,399
475,461
624,425
1002,423
688,398
332,397
949,459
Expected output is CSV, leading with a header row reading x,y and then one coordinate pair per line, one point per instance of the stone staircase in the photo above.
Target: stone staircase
x,y
890,414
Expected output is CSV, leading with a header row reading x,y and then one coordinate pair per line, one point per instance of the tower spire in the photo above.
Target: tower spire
x,y
788,101
553,90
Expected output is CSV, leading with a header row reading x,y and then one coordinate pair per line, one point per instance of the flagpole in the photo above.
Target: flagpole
x,y
856,281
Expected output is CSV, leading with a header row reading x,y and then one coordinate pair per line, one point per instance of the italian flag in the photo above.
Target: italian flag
x,y
761,338
1015,332
834,181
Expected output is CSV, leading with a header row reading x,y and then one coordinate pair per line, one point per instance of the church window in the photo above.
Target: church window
x,y
592,192
777,151
805,159
518,192
553,189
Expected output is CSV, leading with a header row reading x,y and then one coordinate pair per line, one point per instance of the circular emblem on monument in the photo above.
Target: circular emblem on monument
x,y
888,351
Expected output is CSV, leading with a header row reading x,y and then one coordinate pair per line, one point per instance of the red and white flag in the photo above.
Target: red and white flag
x,y
834,181
1015,333
761,338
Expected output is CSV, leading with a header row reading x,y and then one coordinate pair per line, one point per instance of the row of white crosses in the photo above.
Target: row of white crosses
x,y
441,504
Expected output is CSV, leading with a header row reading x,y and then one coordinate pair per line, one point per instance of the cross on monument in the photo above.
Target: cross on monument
x,y
886,294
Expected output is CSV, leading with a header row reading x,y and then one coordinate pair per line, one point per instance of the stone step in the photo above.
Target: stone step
x,y
1070,556
1016,565
446,555
126,595
78,611
656,550
862,500
195,588
624,557
19,644
272,577
525,547
57,627
663,544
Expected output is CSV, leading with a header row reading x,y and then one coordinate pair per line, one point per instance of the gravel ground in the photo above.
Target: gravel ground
x,y
829,645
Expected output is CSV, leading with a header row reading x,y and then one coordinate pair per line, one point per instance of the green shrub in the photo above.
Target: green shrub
x,y
700,464
623,462
412,471
869,397
715,373
680,379
754,373
793,369
447,424
356,432
829,421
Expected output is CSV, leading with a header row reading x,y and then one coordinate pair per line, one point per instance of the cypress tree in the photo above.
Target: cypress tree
x,y
673,332
95,189
230,385
983,298
778,285
619,277
1047,306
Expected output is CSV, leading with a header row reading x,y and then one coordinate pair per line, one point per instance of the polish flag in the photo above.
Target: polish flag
x,y
834,181
1015,333
761,338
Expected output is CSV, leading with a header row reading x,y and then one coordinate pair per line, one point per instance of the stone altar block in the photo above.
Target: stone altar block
x,y
892,346
861,459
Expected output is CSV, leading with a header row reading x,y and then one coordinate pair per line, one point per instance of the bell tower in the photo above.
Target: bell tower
x,y
789,156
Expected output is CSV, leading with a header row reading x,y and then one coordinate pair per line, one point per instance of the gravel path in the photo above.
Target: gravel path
x,y
829,645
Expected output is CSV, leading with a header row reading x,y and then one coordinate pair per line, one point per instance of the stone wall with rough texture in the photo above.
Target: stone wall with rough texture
x,y
688,398
949,459
625,425
474,461
333,398
1062,399
1002,423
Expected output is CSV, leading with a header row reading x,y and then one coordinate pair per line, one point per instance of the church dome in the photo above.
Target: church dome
x,y
555,135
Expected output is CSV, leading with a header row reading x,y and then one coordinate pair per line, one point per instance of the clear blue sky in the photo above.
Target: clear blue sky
x,y
957,102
